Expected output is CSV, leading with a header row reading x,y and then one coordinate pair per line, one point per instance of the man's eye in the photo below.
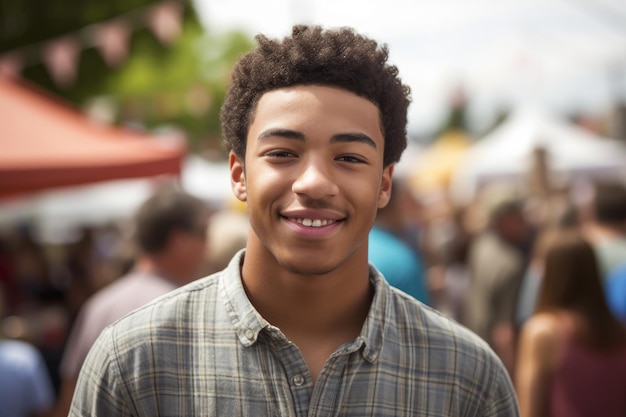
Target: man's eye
x,y
280,154
350,158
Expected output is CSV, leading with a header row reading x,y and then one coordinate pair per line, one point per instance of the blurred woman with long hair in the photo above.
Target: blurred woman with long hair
x,y
572,351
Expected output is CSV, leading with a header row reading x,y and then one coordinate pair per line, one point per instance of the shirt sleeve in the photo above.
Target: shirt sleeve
x,y
100,390
502,401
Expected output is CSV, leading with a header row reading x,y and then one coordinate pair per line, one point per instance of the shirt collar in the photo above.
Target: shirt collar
x,y
248,323
373,331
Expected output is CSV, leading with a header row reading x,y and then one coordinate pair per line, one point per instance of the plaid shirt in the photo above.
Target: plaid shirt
x,y
203,350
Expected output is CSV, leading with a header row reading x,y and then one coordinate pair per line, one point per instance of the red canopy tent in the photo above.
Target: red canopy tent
x,y
46,144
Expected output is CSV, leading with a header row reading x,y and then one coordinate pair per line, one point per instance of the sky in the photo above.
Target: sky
x,y
568,56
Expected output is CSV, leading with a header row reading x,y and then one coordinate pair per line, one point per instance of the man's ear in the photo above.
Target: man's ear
x,y
385,186
237,177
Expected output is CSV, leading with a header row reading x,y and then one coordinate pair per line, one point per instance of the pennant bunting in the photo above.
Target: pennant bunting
x,y
11,64
112,38
164,20
60,57
112,41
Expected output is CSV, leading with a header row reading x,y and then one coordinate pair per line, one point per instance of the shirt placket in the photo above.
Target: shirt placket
x,y
298,378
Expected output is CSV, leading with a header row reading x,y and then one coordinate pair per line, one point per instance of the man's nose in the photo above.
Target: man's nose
x,y
315,181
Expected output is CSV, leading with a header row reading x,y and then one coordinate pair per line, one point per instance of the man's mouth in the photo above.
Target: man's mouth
x,y
313,222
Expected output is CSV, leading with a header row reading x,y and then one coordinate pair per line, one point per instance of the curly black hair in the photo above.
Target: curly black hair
x,y
315,56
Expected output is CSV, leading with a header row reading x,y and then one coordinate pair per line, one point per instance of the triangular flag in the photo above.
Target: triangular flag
x,y
165,20
11,64
112,41
60,56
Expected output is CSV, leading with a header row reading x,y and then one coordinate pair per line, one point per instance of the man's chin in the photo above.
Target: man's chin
x,y
307,267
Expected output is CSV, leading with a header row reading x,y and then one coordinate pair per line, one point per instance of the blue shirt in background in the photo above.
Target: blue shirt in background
x,y
25,385
615,290
398,262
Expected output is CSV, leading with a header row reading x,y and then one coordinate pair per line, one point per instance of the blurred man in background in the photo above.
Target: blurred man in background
x,y
497,262
170,234
607,229
227,234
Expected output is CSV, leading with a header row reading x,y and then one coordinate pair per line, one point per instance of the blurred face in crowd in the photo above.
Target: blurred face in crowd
x,y
190,249
313,177
513,227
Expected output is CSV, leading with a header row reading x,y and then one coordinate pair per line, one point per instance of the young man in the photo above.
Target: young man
x,y
298,323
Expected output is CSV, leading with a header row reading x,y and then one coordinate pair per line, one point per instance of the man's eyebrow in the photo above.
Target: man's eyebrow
x,y
353,137
338,138
283,133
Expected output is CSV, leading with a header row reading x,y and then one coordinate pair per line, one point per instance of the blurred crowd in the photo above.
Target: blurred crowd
x,y
541,277
504,266
55,298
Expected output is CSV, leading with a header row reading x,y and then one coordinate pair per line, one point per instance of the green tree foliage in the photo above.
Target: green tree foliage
x,y
181,85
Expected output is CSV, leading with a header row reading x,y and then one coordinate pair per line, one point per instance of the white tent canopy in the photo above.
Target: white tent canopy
x,y
207,180
507,153
56,213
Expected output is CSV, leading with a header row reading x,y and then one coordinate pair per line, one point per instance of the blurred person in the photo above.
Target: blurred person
x,y
497,261
7,277
299,323
572,351
80,265
607,229
615,291
26,389
531,282
448,274
227,234
388,249
31,269
93,260
170,235
38,304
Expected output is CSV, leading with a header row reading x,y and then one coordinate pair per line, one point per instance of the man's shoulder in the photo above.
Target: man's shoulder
x,y
437,349
18,354
124,295
181,305
183,295
436,329
129,283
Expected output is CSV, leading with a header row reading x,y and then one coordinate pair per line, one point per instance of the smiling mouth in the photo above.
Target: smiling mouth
x,y
313,222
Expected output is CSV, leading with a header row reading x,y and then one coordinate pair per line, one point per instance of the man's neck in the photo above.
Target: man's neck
x,y
319,305
318,313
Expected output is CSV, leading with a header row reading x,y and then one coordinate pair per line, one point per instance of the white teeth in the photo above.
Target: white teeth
x,y
314,222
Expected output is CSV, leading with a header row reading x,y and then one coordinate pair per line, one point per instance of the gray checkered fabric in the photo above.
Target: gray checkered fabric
x,y
203,350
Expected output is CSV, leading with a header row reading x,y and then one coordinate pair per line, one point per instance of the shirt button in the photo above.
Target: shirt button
x,y
249,334
298,380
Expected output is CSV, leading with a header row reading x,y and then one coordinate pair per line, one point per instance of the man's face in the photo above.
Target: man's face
x,y
313,177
